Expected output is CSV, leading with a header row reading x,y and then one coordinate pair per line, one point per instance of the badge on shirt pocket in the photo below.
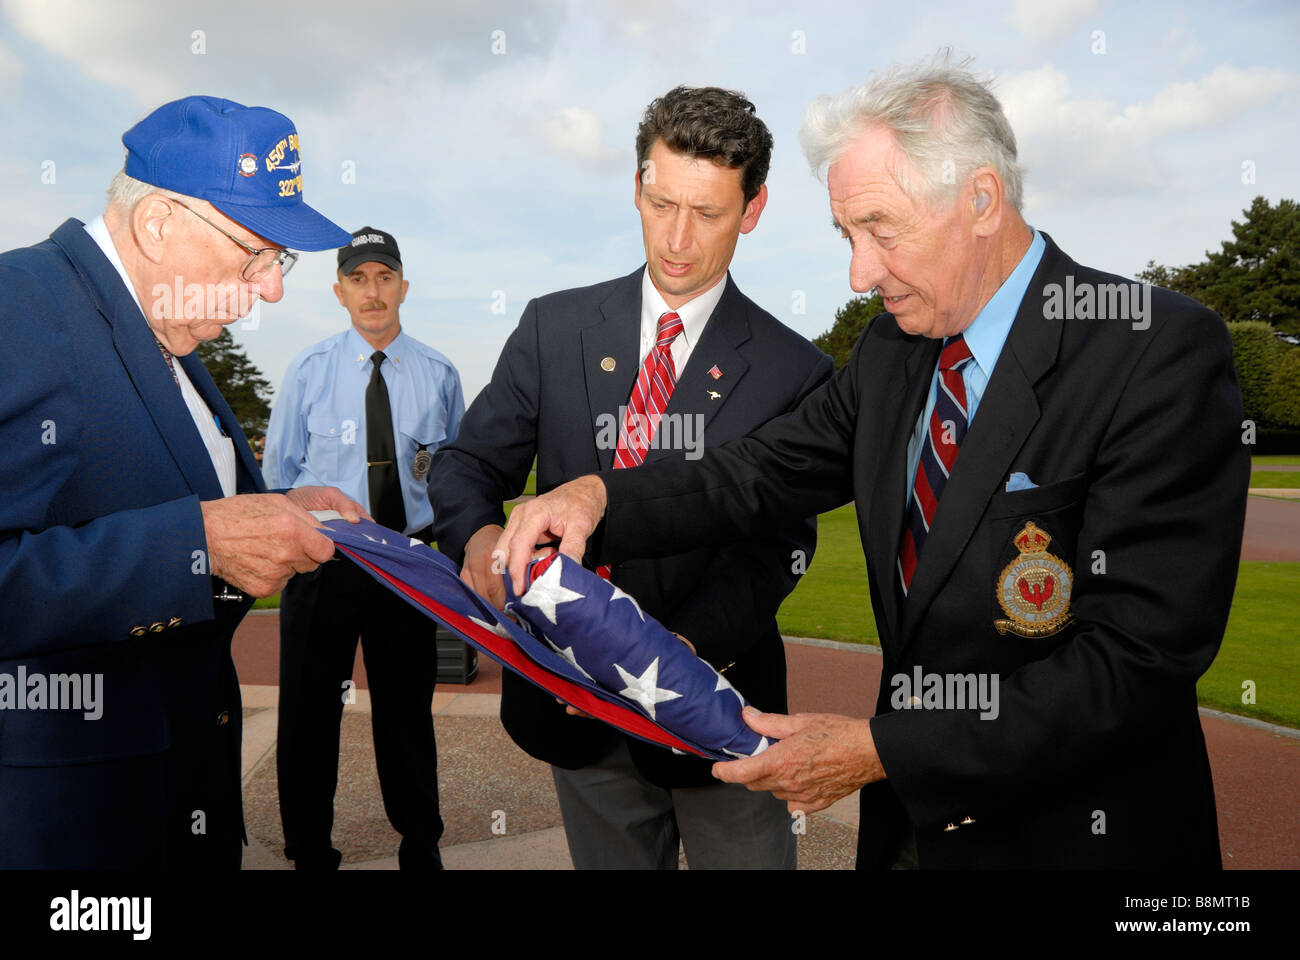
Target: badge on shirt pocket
x,y
1034,588
420,465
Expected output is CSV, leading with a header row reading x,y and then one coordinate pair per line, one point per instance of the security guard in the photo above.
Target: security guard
x,y
365,408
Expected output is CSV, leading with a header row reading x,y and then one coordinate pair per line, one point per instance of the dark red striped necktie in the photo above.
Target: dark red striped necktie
x,y
943,436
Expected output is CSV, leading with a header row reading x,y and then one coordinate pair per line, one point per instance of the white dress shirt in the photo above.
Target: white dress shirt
x,y
694,314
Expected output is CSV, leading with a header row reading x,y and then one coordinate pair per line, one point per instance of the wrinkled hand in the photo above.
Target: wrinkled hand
x,y
257,541
480,572
328,498
569,513
821,758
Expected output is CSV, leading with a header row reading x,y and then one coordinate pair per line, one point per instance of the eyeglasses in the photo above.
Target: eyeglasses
x,y
259,261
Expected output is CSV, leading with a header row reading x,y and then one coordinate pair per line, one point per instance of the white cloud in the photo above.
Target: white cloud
x,y
1040,22
578,133
151,50
1219,97
1092,144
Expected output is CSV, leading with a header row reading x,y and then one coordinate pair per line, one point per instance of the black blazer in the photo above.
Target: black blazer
x,y
551,397
1096,757
103,571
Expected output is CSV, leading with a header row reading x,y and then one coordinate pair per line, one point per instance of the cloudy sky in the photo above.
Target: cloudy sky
x,y
495,139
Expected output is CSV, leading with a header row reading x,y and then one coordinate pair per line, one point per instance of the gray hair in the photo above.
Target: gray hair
x,y
125,191
945,121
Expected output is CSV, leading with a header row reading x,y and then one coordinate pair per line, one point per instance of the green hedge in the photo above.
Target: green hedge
x,y
1255,354
1282,404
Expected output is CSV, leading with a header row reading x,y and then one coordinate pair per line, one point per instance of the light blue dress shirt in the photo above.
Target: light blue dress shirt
x,y
317,433
985,337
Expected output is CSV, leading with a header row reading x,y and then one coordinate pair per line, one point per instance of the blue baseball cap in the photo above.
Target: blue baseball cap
x,y
242,160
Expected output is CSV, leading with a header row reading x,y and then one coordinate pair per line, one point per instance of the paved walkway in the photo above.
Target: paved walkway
x,y
499,804
1272,529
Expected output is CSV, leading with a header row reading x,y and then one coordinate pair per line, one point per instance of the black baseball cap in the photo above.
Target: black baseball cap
x,y
369,244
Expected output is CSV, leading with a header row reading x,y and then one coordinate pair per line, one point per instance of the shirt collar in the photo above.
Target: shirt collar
x,y
98,231
694,313
360,351
988,332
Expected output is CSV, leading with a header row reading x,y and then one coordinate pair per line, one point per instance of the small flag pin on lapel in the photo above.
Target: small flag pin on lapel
x,y
715,373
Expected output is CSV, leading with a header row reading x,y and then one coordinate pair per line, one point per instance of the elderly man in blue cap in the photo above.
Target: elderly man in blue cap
x,y
135,529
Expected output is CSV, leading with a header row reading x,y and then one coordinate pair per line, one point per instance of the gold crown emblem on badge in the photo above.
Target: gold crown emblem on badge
x,y
1034,588
1033,539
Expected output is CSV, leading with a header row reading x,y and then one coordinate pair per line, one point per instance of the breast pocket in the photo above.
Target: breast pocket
x,y
1045,499
426,434
327,434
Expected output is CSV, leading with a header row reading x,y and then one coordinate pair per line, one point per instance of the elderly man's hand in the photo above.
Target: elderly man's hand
x,y
328,498
821,758
480,573
569,514
257,541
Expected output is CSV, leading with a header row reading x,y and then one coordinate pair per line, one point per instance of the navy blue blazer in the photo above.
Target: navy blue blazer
x,y
103,571
552,396
1094,756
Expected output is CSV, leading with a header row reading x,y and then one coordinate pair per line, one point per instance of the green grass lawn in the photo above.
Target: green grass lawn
x,y
1260,645
1275,478
1276,460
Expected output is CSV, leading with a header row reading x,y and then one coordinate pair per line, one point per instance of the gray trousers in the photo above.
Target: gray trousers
x,y
616,819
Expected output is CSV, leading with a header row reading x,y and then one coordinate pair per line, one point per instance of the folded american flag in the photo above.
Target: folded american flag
x,y
582,640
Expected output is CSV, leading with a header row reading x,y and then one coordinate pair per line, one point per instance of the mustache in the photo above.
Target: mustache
x,y
374,305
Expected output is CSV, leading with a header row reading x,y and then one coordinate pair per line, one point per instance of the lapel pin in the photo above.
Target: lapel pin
x,y
713,395
607,364
715,373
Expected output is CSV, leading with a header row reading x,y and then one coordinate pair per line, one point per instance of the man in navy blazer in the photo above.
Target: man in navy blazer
x,y
1050,481
558,394
135,529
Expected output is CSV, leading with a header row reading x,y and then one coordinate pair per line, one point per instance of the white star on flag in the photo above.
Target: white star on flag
x,y
645,689
568,654
546,592
620,595
496,628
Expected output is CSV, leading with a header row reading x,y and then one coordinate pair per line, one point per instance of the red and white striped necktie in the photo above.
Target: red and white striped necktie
x,y
649,399
650,396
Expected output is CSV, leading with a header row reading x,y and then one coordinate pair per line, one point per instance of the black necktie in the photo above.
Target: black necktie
x,y
384,481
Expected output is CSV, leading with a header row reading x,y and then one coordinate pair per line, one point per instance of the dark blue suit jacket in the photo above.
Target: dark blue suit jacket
x,y
549,397
103,570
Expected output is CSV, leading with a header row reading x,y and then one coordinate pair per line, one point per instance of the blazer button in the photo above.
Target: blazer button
x,y
139,631
950,828
223,718
156,628
174,622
